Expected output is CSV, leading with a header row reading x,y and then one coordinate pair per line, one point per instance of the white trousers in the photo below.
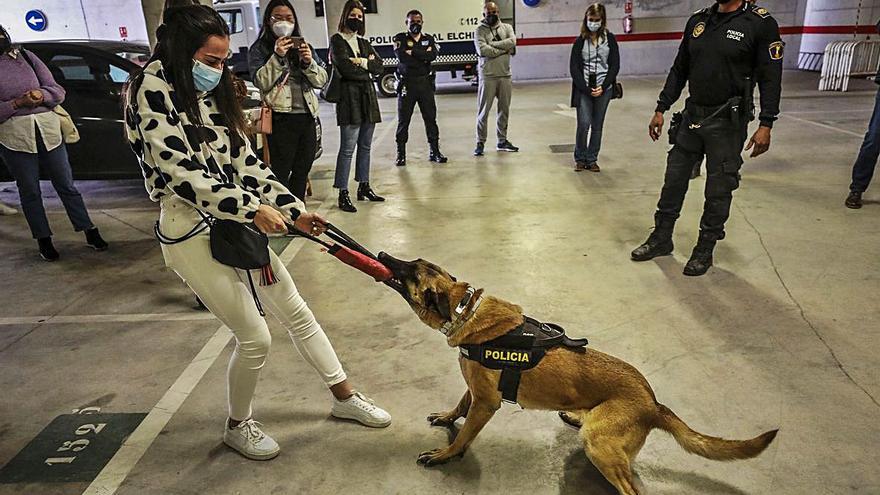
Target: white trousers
x,y
226,293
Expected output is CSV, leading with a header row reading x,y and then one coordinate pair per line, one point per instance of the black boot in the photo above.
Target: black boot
x,y
854,200
345,202
401,155
366,192
95,241
47,249
701,258
659,243
435,155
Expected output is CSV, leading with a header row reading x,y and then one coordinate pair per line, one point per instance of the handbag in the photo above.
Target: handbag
x,y
264,124
332,91
69,132
617,91
235,244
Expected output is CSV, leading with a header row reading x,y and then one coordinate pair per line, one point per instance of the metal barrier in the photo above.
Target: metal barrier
x,y
846,59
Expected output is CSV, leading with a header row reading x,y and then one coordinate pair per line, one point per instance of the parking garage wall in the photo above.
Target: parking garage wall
x,y
546,31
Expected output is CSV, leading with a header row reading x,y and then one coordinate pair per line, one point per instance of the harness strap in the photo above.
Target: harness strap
x,y
508,384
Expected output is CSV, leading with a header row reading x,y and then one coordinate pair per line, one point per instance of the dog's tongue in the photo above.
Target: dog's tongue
x,y
371,267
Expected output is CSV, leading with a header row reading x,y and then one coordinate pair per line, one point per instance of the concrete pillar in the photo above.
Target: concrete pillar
x,y
153,15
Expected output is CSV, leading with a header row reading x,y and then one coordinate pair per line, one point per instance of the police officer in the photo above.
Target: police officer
x,y
727,49
416,84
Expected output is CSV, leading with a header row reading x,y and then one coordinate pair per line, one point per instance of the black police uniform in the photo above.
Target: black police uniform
x,y
416,86
721,58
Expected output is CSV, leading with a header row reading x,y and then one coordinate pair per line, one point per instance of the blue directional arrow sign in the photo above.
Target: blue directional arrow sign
x,y
36,20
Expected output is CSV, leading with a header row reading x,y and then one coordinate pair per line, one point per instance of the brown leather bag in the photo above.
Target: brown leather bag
x,y
264,125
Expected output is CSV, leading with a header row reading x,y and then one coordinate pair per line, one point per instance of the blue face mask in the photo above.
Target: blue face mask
x,y
205,77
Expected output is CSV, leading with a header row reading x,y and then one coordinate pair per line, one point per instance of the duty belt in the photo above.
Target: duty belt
x,y
519,349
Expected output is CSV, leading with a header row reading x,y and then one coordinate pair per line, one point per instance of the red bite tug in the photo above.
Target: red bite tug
x,y
354,259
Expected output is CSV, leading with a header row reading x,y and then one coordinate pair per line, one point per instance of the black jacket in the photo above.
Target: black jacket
x,y
576,66
724,55
357,101
419,63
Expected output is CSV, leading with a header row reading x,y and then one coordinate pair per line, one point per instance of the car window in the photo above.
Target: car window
x,y
139,58
77,68
233,19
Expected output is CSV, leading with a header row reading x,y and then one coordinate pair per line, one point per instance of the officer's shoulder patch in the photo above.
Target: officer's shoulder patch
x,y
699,29
777,50
761,12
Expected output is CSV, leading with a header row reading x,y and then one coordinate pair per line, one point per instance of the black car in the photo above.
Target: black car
x,y
92,73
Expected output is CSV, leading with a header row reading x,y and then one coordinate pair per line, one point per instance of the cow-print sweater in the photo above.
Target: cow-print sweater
x,y
203,169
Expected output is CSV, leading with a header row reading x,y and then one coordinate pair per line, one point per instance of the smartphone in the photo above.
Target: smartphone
x,y
592,83
296,42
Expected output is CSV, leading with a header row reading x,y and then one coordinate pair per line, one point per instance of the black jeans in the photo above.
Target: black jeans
x,y
292,147
721,140
417,91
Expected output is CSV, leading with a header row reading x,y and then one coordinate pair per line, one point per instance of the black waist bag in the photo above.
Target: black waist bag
x,y
235,244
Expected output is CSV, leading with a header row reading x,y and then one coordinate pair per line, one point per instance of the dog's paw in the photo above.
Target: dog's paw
x,y
434,457
440,419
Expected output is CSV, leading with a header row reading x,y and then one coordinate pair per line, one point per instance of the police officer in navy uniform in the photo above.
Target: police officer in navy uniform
x,y
726,50
415,51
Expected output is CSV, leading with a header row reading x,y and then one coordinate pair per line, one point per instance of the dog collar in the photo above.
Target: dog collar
x,y
461,313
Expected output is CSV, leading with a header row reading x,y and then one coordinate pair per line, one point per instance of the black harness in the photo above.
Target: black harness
x,y
519,349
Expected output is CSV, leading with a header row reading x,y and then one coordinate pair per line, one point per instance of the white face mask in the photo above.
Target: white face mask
x,y
593,26
282,29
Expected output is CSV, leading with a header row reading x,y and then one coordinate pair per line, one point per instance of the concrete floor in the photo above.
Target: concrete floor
x,y
782,333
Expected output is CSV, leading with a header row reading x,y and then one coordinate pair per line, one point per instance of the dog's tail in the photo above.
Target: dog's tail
x,y
714,448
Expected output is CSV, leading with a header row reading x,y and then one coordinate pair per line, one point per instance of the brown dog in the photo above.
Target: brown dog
x,y
610,398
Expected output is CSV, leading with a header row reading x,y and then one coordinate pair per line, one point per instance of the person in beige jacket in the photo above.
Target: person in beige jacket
x,y
287,75
496,43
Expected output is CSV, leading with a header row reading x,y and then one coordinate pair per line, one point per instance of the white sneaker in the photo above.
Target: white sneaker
x,y
6,210
250,441
361,409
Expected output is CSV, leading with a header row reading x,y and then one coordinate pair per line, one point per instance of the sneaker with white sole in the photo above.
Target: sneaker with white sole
x,y
360,408
250,441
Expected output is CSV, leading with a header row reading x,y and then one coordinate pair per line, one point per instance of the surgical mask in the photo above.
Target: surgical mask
x,y
205,77
415,28
283,29
354,25
593,26
492,19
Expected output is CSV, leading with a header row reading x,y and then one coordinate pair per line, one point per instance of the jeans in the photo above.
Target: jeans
x,y
590,121
360,136
227,294
863,169
25,169
292,146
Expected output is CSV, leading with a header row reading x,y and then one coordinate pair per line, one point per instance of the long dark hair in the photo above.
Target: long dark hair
x,y
346,10
184,30
267,36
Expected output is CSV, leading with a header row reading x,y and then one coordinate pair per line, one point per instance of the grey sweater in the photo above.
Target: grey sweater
x,y
495,45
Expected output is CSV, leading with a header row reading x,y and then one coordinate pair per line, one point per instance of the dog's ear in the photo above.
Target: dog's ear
x,y
440,302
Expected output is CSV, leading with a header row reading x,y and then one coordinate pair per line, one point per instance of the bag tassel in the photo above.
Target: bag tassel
x,y
267,276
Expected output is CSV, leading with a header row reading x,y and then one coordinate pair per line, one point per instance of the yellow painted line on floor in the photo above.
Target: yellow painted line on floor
x,y
114,473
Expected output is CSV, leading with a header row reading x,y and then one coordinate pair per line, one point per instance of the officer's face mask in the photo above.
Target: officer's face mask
x,y
283,29
354,25
205,77
491,19
594,26
415,27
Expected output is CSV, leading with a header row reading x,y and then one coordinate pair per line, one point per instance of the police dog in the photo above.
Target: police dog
x,y
609,399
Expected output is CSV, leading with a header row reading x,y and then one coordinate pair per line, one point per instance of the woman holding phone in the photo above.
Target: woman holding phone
x,y
287,71
186,125
594,64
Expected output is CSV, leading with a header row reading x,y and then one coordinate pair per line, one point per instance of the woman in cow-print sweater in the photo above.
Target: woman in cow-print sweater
x,y
185,125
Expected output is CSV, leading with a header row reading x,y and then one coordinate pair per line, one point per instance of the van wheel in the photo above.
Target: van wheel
x,y
388,85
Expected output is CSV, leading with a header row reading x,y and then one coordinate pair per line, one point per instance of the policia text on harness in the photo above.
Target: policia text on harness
x,y
518,350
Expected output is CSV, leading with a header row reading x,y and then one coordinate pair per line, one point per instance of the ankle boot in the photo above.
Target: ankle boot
x,y
345,202
435,155
366,192
47,249
95,241
701,258
401,155
659,243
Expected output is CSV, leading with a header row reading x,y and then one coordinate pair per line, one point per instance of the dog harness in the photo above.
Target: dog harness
x,y
518,350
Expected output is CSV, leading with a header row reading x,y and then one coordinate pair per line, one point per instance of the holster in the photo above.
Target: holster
x,y
675,126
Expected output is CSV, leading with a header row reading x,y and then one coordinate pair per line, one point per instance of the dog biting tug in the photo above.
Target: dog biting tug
x,y
506,356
